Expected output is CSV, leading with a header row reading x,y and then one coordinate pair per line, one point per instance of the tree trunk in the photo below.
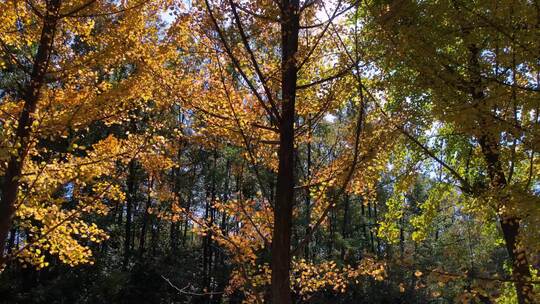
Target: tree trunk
x,y
120,215
11,243
144,225
489,144
129,205
375,221
10,185
281,237
401,238
186,222
345,225
308,198
206,248
509,226
173,236
208,251
175,225
331,231
156,232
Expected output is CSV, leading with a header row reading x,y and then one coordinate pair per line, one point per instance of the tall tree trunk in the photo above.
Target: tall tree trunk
x,y
131,185
116,210
210,217
281,237
186,221
206,249
345,225
219,259
155,223
364,221
11,243
510,226
308,198
330,240
489,144
146,215
120,215
175,225
11,181
173,236
375,221
370,228
401,238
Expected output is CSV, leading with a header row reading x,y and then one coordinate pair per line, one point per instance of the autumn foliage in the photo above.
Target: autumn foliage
x,y
227,151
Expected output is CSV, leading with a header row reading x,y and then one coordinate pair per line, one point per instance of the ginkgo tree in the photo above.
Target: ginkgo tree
x,y
67,66
264,83
468,74
270,151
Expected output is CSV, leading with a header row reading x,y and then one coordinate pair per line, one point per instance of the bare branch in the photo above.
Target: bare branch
x,y
319,38
323,80
275,119
252,13
34,9
311,26
137,5
183,290
245,41
78,9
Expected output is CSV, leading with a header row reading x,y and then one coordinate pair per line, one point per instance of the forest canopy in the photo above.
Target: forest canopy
x,y
269,151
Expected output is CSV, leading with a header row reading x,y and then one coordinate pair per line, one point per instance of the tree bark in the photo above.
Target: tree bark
x,y
281,236
186,221
509,225
155,223
308,197
331,232
129,205
146,215
208,251
345,225
489,144
401,238
11,181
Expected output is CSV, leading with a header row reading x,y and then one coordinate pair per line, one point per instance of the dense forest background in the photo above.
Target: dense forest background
x,y
236,151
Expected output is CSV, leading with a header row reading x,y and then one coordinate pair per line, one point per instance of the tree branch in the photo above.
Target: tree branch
x,y
273,118
245,41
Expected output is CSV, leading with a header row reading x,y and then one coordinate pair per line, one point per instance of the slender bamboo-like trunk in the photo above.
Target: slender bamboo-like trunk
x,y
146,215
308,198
186,221
376,220
401,238
131,185
208,251
173,236
345,225
120,217
155,223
